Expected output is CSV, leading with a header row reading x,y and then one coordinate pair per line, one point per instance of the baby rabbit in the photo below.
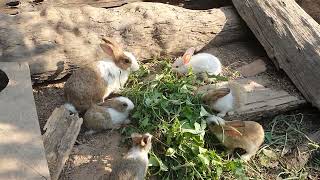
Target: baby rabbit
x,y
93,83
226,100
247,135
200,63
108,115
135,163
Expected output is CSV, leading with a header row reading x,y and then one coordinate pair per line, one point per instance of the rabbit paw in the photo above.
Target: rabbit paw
x,y
215,119
246,157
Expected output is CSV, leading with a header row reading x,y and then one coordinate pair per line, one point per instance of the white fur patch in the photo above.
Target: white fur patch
x,y
134,66
127,101
118,117
70,108
224,104
137,153
114,76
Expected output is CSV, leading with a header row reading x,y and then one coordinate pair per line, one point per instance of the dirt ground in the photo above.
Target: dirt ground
x,y
92,155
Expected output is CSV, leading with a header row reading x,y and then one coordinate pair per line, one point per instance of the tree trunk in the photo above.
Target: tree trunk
x,y
62,130
56,40
291,39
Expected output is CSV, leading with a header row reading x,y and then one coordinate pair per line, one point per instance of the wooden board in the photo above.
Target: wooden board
x,y
291,39
261,100
62,130
22,154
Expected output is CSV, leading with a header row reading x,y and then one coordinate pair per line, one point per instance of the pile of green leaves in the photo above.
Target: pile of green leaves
x,y
167,107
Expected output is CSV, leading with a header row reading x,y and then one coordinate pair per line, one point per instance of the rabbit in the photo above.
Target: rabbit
x,y
201,63
247,135
94,82
110,114
226,99
135,163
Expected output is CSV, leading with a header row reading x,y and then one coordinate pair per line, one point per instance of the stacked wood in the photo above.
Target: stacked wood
x,y
62,130
57,40
291,39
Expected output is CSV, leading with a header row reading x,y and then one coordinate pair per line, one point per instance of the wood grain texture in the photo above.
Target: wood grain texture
x,y
290,37
22,154
56,40
62,130
261,101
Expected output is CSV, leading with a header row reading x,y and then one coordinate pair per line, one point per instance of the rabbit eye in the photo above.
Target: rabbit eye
x,y
124,104
176,66
126,60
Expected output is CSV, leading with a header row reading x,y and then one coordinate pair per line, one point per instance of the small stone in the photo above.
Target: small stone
x,y
252,69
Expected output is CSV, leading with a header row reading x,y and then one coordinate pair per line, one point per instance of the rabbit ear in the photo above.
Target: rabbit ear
x,y
147,138
136,138
187,55
111,48
231,131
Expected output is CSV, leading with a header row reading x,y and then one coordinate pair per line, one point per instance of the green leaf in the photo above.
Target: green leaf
x,y
204,159
170,152
155,161
203,112
145,122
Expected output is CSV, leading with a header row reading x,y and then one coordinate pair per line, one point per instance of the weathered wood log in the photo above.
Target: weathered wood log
x,y
62,130
261,101
290,37
311,7
56,40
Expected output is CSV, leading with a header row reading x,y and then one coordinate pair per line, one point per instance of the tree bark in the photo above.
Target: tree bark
x,y
291,39
62,130
57,40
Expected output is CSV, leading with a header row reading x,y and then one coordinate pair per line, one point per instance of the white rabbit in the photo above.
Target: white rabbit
x,y
93,83
200,63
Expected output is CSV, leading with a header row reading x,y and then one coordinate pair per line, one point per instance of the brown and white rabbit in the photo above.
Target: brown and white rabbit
x,y
247,135
227,99
135,163
93,83
110,114
200,63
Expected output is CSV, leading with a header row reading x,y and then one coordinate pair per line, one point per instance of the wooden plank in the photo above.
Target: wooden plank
x,y
261,101
62,130
22,154
291,39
